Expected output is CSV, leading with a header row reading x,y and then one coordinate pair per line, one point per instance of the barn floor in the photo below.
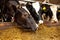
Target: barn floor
x,y
43,33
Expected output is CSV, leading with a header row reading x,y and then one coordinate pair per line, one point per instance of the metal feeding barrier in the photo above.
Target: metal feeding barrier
x,y
48,23
6,25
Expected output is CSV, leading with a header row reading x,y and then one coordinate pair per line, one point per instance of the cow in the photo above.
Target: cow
x,y
33,8
23,18
4,11
36,10
8,13
50,12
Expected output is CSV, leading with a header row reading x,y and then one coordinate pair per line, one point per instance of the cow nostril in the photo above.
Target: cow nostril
x,y
55,21
24,15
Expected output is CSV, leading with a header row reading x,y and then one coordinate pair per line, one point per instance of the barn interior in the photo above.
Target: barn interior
x,y
46,31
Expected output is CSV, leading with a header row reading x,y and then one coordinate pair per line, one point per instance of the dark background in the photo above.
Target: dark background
x,y
51,1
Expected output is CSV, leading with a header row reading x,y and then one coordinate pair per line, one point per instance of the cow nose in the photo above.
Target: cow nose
x,y
40,22
54,21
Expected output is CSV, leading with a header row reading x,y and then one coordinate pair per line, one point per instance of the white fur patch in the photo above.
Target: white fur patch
x,y
40,21
37,26
25,9
12,19
54,11
22,2
36,6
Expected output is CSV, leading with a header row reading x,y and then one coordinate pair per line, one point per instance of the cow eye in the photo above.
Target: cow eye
x,y
25,15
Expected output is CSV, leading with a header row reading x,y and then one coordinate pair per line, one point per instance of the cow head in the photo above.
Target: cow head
x,y
46,12
34,9
24,19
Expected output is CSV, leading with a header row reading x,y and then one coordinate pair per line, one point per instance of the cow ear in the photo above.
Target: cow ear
x,y
19,6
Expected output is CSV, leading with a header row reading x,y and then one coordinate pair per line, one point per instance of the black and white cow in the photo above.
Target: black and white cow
x,y
34,9
50,11
46,12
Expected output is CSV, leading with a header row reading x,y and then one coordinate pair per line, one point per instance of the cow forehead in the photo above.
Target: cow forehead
x,y
26,9
36,6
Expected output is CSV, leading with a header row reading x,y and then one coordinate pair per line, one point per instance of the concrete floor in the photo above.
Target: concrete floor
x,y
43,33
